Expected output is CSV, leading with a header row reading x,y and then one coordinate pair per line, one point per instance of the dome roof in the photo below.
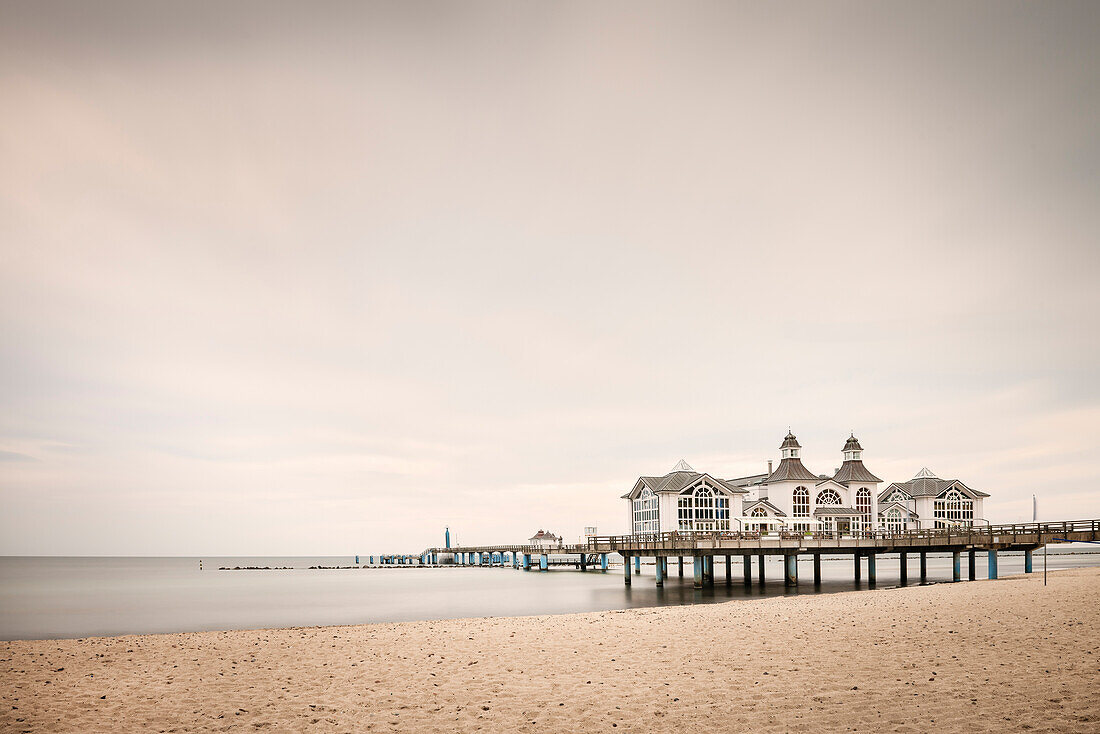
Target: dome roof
x,y
852,444
790,442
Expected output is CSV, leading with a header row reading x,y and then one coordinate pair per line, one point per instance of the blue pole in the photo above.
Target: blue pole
x,y
697,568
660,574
637,565
1027,561
603,561
447,538
544,562
871,568
992,563
626,570
792,569
956,573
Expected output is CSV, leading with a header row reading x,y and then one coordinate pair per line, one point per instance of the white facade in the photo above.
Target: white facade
x,y
544,539
793,498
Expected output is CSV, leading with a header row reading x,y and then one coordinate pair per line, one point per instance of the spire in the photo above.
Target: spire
x,y
925,473
682,465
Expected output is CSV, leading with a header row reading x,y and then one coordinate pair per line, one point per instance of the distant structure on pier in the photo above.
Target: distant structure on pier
x,y
544,539
792,497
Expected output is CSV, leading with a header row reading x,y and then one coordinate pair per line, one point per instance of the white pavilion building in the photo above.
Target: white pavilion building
x,y
792,497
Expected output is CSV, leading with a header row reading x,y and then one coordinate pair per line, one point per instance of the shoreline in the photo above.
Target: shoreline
x,y
915,658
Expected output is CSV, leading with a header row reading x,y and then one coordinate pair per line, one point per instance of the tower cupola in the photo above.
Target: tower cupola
x,y
790,447
852,450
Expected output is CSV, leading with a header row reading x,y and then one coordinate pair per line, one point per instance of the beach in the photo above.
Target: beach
x,y
976,656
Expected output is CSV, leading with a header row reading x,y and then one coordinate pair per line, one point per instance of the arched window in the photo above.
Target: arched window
x,y
953,509
646,518
800,505
863,505
898,497
758,512
828,497
703,509
894,521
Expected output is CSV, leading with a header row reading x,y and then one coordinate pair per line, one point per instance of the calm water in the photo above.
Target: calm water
x,y
50,597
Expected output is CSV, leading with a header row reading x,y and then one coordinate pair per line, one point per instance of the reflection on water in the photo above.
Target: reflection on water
x,y
75,597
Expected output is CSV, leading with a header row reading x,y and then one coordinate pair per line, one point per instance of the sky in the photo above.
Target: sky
x,y
325,278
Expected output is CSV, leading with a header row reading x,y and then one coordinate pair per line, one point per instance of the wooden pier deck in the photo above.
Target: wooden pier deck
x,y
704,546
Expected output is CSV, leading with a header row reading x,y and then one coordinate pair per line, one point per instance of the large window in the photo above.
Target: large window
x,y
898,496
863,505
703,509
953,509
828,497
895,523
758,512
646,518
801,507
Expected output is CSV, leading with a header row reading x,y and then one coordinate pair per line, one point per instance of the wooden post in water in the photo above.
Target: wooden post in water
x,y
729,570
871,578
626,570
681,559
970,566
748,568
817,569
660,573
791,560
992,564
859,569
697,569
923,566
761,559
956,566
904,566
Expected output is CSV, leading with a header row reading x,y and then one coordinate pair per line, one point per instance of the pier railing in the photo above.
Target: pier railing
x,y
956,535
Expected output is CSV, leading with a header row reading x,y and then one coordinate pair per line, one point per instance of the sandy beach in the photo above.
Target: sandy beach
x,y
1005,655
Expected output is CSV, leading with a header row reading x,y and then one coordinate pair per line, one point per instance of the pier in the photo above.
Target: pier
x,y
705,548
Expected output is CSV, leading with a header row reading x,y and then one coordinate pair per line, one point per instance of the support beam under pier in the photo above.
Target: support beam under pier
x,y
871,569
660,572
760,558
791,560
626,570
956,566
817,569
1027,561
859,568
637,565
729,570
904,566
697,569
992,564
970,566
923,566
681,559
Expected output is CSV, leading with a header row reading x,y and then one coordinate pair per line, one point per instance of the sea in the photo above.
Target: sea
x,y
72,597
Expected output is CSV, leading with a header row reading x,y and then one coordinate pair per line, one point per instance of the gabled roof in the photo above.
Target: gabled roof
x,y
826,480
890,490
791,470
854,471
677,481
750,504
926,484
882,509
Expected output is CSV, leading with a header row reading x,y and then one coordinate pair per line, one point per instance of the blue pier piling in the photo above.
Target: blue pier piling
x,y
626,570
637,565
792,569
603,561
526,561
709,570
956,566
871,578
748,569
660,573
992,563
584,561
544,562
697,568
1027,561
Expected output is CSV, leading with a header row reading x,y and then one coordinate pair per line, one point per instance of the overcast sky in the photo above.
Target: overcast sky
x,y
327,277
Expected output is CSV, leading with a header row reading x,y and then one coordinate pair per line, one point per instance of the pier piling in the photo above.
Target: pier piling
x,y
859,568
923,566
903,566
526,561
992,563
626,570
681,559
637,565
747,559
791,561
761,559
971,565
660,572
697,570
603,561
871,576
584,562
1027,561
544,562
729,569
817,569
956,566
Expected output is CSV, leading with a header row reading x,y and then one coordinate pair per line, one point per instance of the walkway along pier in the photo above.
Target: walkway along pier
x,y
705,547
